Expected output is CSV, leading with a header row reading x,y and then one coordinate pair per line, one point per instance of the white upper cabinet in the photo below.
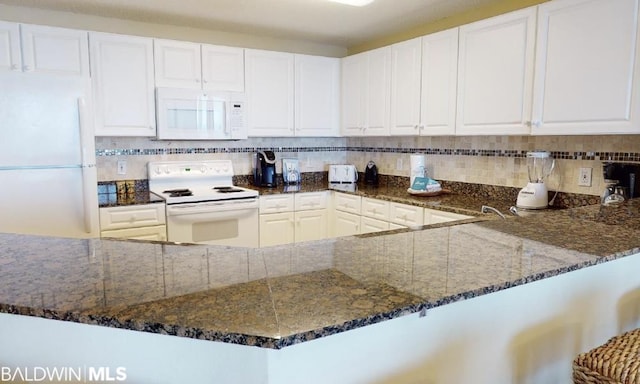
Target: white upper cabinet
x,y
495,75
317,96
123,85
183,64
177,64
222,68
424,79
366,93
41,49
406,69
10,59
270,92
439,82
586,64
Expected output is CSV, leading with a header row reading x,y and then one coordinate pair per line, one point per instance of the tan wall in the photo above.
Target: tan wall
x,y
129,27
495,8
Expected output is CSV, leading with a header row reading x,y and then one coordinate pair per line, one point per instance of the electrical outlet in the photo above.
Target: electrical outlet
x,y
399,164
122,167
584,179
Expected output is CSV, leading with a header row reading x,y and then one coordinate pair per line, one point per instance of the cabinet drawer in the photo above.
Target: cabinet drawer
x,y
434,216
347,203
157,233
376,209
404,214
132,216
276,203
310,200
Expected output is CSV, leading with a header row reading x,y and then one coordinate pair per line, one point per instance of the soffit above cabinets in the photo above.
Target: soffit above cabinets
x,y
312,20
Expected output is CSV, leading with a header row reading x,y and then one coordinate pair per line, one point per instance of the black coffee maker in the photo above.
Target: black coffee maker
x,y
264,171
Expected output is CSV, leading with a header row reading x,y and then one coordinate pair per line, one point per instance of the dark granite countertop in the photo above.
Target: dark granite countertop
x,y
278,296
447,201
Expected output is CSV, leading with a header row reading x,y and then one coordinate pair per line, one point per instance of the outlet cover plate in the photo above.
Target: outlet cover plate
x,y
584,179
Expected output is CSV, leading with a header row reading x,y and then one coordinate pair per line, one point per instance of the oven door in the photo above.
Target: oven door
x,y
228,222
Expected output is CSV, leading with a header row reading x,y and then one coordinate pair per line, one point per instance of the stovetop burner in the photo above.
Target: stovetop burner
x,y
178,192
227,189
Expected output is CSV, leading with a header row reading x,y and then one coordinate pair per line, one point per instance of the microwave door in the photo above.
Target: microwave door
x,y
215,119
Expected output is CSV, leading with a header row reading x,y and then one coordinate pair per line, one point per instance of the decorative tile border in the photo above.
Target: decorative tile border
x,y
565,155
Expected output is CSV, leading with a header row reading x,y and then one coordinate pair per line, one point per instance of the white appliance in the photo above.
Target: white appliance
x,y
203,205
47,156
418,167
343,174
535,194
190,114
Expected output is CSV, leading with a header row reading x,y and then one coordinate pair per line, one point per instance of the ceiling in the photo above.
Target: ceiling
x,y
318,21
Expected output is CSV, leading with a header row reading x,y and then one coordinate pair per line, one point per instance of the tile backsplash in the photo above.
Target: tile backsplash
x,y
494,160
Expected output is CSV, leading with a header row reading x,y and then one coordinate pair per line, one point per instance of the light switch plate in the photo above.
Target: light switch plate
x,y
122,167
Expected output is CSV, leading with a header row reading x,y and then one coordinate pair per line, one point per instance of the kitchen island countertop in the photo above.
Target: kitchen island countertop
x,y
279,296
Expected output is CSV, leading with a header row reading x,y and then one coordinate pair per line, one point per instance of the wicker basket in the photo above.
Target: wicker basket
x,y
615,362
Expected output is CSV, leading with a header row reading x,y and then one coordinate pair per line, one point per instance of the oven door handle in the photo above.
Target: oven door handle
x,y
210,211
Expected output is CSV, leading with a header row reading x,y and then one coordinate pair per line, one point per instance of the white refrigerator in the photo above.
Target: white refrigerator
x,y
48,182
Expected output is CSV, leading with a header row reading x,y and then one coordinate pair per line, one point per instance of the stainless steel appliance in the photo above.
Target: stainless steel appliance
x,y
264,171
203,205
47,155
343,174
190,114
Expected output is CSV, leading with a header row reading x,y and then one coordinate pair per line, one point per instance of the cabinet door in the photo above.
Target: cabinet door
x,y
345,224
378,94
222,68
123,217
369,225
10,59
317,96
439,81
354,82
269,82
405,87
177,64
311,225
122,73
57,51
433,216
495,77
276,203
276,228
311,200
586,65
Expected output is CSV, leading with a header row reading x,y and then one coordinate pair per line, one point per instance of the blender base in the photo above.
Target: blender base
x,y
533,196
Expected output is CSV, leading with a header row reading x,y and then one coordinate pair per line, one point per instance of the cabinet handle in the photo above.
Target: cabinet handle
x,y
26,68
14,67
197,80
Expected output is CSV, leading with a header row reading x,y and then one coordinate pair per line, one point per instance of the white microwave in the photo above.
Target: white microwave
x,y
190,114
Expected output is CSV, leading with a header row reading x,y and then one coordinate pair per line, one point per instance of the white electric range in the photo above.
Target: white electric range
x,y
203,205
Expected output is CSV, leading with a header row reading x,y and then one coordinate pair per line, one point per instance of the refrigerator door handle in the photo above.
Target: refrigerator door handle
x,y
88,215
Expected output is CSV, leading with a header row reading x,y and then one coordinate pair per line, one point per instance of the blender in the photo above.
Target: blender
x,y
535,194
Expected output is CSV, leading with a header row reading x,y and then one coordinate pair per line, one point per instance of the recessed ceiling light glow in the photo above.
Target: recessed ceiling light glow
x,y
355,3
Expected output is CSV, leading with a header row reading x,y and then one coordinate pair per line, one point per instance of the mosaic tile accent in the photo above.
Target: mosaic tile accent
x,y
211,150
565,155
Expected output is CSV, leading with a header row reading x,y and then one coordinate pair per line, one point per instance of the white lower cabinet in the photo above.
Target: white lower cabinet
x,y
345,224
433,216
407,215
276,228
140,222
369,225
285,219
